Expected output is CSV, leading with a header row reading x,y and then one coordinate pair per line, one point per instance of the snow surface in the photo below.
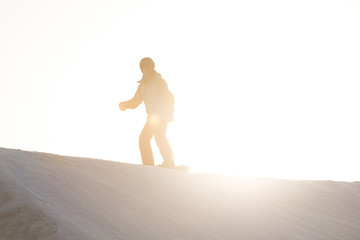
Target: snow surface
x,y
46,196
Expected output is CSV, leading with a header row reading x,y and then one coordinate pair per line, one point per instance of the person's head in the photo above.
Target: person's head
x,y
147,65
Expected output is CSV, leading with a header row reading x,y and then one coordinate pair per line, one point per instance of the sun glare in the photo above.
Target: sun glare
x,y
262,88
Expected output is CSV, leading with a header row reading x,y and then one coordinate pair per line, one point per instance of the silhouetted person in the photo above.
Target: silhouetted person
x,y
159,104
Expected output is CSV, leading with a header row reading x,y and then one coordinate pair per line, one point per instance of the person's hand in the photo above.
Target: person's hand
x,y
122,106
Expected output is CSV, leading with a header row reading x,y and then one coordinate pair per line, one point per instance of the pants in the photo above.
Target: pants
x,y
156,127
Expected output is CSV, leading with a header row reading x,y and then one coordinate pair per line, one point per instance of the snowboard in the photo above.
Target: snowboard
x,y
184,168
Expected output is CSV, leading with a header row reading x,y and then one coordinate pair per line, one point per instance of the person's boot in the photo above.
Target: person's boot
x,y
167,164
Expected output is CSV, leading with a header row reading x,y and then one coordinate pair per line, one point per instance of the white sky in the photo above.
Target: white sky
x,y
262,88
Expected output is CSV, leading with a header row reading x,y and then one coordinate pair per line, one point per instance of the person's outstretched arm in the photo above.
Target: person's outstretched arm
x,y
132,103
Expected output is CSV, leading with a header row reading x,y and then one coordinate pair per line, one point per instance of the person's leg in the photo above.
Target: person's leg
x,y
144,142
163,144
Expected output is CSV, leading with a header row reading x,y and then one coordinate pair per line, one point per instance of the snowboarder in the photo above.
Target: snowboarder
x,y
159,103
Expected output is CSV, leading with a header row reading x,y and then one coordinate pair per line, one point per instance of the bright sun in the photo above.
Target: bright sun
x,y
262,88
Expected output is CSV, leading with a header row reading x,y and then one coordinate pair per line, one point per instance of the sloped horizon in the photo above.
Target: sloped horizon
x,y
47,196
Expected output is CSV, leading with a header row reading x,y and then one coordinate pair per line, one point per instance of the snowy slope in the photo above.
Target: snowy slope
x,y
45,196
